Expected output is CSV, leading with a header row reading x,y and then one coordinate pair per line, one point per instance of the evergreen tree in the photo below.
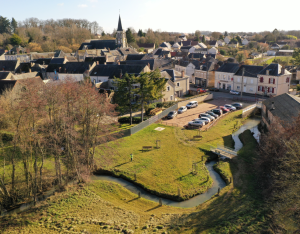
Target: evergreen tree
x,y
129,36
203,39
103,34
296,57
151,87
15,39
140,33
4,25
239,39
221,37
225,34
13,25
125,93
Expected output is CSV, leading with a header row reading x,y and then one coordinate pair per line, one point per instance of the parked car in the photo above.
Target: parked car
x,y
218,112
197,123
224,109
172,114
182,109
212,114
202,90
207,116
230,107
206,120
234,92
237,105
214,89
192,104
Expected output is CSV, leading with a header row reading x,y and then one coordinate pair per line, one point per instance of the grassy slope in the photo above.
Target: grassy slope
x,y
282,58
100,206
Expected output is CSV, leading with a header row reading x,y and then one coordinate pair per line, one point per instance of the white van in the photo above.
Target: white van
x,y
192,104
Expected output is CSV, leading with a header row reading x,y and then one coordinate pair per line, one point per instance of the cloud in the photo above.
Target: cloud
x,y
60,4
82,5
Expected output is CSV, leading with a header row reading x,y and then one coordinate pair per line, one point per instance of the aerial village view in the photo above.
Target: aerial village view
x,y
149,117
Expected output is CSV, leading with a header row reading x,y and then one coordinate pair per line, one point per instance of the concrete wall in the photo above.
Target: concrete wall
x,y
198,99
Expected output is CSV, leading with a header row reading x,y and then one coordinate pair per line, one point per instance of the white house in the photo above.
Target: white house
x,y
227,39
213,50
224,76
271,53
202,45
221,43
245,41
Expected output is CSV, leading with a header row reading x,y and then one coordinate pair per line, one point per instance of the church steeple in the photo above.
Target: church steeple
x,y
120,24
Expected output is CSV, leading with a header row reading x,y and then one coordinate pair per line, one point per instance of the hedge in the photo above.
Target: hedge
x,y
135,120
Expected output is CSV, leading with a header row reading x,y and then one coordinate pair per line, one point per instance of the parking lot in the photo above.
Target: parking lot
x,y
191,114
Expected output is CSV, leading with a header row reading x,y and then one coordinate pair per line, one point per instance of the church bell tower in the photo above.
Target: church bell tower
x,y
121,40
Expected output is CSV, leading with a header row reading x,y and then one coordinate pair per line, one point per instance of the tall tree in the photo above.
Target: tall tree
x,y
225,34
296,57
197,33
4,25
125,94
13,25
129,36
203,39
151,87
15,39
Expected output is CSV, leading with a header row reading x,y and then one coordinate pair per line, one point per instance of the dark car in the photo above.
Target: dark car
x,y
237,105
172,114
214,89
212,114
224,109
218,112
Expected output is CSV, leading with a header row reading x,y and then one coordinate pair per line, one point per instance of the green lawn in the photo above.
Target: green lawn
x,y
282,58
166,169
223,168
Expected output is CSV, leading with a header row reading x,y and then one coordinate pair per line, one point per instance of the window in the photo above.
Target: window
x,y
250,89
168,88
238,87
238,79
251,81
178,84
261,79
287,79
228,77
171,97
224,76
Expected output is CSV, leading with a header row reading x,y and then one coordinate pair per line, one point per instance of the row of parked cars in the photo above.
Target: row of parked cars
x,y
209,116
182,109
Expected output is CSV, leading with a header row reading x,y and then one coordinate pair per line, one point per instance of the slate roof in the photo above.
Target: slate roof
x,y
99,44
196,55
6,84
193,43
154,63
25,76
286,106
70,67
100,59
186,43
113,70
4,75
165,44
120,24
212,43
43,61
126,51
161,52
229,68
35,56
59,54
8,65
185,47
274,70
23,67
57,61
250,71
135,56
231,60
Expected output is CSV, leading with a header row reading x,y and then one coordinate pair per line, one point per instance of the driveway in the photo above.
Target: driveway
x,y
191,114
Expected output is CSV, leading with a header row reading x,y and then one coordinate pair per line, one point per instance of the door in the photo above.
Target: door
x,y
224,86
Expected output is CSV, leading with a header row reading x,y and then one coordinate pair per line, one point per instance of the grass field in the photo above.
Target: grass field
x,y
282,58
105,207
168,168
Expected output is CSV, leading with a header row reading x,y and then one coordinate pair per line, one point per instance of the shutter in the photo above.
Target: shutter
x,y
269,80
258,88
273,80
273,90
268,89
263,89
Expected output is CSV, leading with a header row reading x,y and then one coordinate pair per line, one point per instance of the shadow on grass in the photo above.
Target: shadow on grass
x,y
156,207
122,164
133,199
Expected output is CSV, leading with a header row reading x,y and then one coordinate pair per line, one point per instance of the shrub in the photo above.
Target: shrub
x,y
135,120
6,136
222,52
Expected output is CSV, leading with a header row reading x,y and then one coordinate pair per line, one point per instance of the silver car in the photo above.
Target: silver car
x,y
197,123
207,116
206,120
182,109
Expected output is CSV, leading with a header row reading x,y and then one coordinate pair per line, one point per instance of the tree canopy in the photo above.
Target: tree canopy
x,y
15,39
296,57
129,36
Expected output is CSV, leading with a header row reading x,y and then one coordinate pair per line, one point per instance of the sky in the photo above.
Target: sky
x,y
165,15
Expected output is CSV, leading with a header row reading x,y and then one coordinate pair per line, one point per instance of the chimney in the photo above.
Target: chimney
x,y
29,70
182,73
97,62
59,69
267,72
109,50
273,106
282,70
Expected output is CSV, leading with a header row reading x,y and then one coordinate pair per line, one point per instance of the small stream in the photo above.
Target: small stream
x,y
218,182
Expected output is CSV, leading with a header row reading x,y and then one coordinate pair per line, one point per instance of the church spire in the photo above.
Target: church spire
x,y
120,25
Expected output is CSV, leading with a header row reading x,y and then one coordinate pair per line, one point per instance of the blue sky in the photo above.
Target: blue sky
x,y
166,15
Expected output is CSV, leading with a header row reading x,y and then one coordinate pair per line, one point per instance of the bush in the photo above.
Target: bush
x,y
6,136
135,120
222,52
165,104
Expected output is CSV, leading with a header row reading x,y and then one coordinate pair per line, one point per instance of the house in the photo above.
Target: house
x,y
282,44
179,55
275,46
9,65
248,82
71,70
98,59
233,44
165,45
177,84
245,41
21,57
285,53
201,51
271,53
213,50
159,53
182,38
176,46
224,76
153,64
213,43
186,43
2,54
196,56
148,47
186,49
280,110
202,45
106,73
204,75
17,50
221,43
227,39
58,60
255,55
207,38
273,80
